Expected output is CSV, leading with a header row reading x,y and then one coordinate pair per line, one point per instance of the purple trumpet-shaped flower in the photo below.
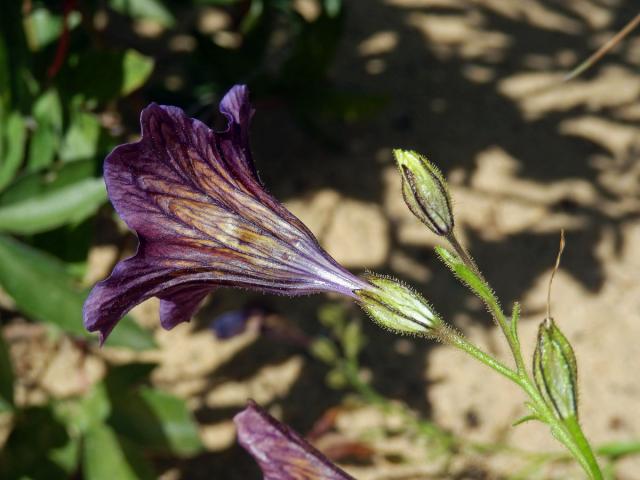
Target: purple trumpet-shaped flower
x,y
203,220
281,453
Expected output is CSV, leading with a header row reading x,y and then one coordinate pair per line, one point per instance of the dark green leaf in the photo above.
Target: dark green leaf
x,y
70,204
69,243
14,135
333,7
34,184
336,104
136,69
83,413
31,446
67,457
82,139
45,141
43,27
42,289
122,378
108,457
102,76
6,377
155,420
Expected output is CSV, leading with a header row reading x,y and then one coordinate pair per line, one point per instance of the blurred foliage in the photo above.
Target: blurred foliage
x,y
72,75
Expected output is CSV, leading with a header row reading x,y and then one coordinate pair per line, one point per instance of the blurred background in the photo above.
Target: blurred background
x,y
473,84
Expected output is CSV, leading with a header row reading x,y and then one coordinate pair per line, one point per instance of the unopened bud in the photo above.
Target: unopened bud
x,y
397,307
425,191
555,370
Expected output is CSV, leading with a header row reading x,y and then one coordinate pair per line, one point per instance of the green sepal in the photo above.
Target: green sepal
x,y
555,371
425,192
397,307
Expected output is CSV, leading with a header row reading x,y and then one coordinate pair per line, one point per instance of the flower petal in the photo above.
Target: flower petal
x,y
181,304
131,282
203,220
282,453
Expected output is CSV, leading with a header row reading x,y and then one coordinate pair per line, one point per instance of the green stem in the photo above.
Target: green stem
x,y
453,338
494,307
570,436
583,445
568,432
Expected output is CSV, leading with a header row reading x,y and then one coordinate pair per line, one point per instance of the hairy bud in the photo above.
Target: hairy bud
x,y
555,370
397,307
425,191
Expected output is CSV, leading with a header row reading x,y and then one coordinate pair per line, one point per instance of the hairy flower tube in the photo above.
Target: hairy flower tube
x,y
203,220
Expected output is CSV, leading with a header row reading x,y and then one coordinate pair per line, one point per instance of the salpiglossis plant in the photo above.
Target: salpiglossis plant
x,y
552,389
204,220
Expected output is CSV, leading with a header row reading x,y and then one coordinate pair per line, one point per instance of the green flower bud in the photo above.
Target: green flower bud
x,y
425,191
555,370
397,307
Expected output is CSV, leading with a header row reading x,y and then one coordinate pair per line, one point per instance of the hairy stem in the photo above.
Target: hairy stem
x,y
568,433
494,308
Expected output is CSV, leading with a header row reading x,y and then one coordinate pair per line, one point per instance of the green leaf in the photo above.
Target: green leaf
x,y
333,7
352,340
324,350
6,377
45,141
70,204
136,69
43,289
156,420
615,450
144,10
103,76
42,27
67,456
130,335
81,414
14,136
346,106
125,377
467,276
108,457
33,184
30,450
82,139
